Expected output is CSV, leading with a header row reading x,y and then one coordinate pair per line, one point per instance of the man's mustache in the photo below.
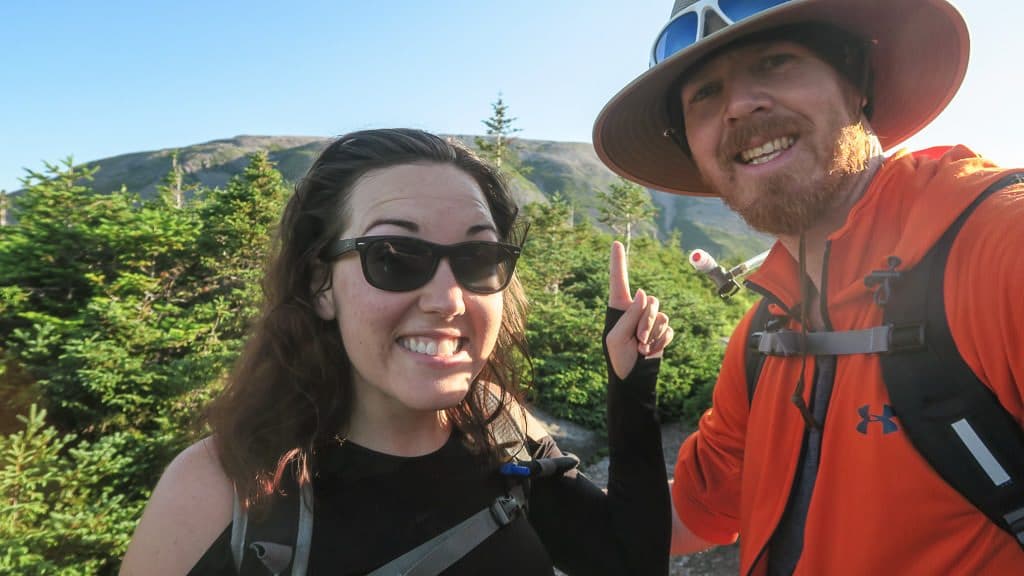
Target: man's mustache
x,y
739,137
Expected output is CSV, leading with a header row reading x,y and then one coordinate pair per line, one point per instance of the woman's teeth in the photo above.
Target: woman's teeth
x,y
431,346
767,151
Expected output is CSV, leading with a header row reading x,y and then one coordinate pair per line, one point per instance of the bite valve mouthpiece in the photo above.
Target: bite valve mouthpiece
x,y
725,283
702,261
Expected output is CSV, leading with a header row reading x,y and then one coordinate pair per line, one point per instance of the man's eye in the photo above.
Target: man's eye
x,y
704,92
773,61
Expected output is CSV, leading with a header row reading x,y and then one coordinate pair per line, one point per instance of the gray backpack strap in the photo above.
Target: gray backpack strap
x,y
275,556
877,340
304,539
239,521
437,554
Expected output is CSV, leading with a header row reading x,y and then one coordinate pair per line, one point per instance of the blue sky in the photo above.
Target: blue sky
x,y
102,78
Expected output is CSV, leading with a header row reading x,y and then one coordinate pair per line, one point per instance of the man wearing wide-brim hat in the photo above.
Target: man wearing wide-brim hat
x,y
791,112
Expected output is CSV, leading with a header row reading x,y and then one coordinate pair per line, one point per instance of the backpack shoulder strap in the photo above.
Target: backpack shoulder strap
x,y
304,539
275,556
435,555
512,425
239,522
752,357
950,416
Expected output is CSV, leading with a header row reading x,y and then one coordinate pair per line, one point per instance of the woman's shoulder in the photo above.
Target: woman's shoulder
x,y
190,507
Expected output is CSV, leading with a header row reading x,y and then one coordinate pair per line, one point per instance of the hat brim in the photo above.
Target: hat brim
x,y
919,60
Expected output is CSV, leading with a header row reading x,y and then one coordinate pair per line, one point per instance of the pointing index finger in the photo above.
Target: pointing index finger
x,y
618,278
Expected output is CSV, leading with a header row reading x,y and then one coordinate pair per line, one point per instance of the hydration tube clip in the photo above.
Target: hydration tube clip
x,y
882,281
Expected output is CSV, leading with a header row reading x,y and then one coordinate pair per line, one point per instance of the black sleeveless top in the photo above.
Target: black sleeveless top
x,y
373,507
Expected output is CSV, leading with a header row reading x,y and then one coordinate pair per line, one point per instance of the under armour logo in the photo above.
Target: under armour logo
x,y
866,417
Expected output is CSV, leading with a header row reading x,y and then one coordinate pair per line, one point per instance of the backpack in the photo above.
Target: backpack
x,y
295,524
950,416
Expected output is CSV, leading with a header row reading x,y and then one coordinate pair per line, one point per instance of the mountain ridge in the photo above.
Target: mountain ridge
x,y
569,168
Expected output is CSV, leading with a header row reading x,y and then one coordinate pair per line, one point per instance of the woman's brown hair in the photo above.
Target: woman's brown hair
x,y
290,391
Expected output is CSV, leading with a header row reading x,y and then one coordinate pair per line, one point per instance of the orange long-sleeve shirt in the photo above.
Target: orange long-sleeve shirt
x,y
877,506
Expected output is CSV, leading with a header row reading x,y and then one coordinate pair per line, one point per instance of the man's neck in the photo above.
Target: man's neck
x,y
817,235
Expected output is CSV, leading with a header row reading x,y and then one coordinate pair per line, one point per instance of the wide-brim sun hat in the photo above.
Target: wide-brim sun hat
x,y
919,55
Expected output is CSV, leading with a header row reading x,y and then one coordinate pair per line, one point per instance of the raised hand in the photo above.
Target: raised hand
x,y
642,329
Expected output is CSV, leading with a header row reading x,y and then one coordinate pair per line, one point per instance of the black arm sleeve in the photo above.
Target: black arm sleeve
x,y
627,531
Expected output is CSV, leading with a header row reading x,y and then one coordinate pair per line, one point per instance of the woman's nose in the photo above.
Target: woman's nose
x,y
443,295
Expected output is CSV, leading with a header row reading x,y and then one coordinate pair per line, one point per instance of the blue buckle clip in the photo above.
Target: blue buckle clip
x,y
514,469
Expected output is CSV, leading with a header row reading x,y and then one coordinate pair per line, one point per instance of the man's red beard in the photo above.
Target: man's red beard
x,y
788,202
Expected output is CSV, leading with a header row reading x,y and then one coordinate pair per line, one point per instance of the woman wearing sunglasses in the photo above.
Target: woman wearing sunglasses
x,y
370,424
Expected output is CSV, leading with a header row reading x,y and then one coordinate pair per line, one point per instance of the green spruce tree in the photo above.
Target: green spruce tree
x,y
550,250
173,190
239,223
499,147
60,510
623,206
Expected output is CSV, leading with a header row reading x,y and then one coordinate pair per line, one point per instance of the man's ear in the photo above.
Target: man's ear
x,y
323,296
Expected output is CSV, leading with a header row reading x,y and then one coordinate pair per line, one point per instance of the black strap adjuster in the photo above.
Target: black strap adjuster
x,y
906,337
1015,520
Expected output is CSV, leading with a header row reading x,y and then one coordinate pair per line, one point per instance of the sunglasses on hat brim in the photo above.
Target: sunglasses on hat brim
x,y
691,24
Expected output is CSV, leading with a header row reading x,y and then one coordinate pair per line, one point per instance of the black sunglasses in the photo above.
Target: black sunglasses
x,y
403,263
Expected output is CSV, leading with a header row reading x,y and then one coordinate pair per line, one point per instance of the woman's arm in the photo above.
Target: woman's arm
x,y
190,506
627,530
